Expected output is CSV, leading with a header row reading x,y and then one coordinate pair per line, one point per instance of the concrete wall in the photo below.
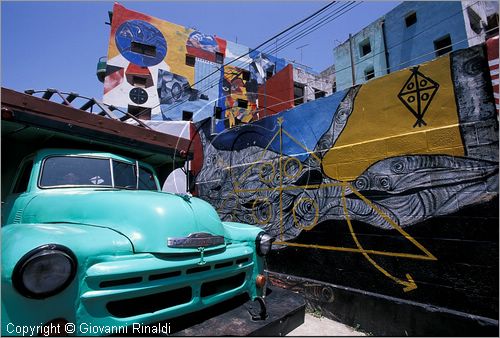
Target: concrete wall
x,y
375,60
408,46
161,78
387,190
312,82
476,19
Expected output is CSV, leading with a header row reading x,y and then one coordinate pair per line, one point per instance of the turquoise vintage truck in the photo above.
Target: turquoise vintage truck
x,y
90,243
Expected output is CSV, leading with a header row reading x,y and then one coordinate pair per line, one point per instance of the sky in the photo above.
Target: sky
x,y
57,44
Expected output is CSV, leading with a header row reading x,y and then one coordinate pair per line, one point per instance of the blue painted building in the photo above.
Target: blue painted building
x,y
419,31
412,33
368,55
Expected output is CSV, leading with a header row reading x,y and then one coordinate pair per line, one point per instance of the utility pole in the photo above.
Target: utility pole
x,y
352,60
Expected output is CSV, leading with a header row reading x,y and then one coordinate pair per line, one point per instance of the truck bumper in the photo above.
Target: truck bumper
x,y
285,311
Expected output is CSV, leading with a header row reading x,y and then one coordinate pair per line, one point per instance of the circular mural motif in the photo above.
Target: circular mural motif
x,y
138,95
141,43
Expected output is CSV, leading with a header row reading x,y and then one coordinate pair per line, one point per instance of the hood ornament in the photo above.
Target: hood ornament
x,y
202,260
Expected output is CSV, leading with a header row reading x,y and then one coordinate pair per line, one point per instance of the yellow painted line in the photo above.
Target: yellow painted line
x,y
247,171
393,224
408,285
354,250
292,187
302,146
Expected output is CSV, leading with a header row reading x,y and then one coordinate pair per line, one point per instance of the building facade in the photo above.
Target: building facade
x,y
309,86
412,33
365,53
383,197
157,70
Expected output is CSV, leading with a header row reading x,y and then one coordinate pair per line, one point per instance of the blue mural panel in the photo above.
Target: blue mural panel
x,y
307,122
139,31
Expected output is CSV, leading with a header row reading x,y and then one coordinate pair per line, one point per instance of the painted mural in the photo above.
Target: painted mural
x,y
170,69
372,187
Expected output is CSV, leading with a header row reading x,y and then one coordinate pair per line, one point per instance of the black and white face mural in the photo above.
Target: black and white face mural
x,y
256,174
376,187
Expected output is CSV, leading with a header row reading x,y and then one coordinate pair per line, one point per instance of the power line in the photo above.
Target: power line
x,y
264,43
434,51
308,30
418,57
410,38
304,32
320,21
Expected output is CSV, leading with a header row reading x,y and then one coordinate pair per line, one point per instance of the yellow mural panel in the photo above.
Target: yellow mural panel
x,y
427,125
176,37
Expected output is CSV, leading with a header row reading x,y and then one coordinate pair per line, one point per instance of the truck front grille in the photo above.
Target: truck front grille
x,y
149,287
222,285
150,303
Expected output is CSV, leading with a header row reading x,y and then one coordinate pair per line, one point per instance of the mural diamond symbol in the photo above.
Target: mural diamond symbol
x,y
417,94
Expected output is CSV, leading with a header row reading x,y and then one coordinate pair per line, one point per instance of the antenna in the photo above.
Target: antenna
x,y
307,44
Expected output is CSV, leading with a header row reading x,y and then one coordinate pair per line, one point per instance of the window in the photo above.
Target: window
x,y
219,57
411,19
218,113
139,112
318,93
369,73
190,60
139,81
298,93
82,171
143,49
442,45
245,75
242,103
23,179
146,180
187,115
365,47
269,74
492,27
474,20
75,171
124,175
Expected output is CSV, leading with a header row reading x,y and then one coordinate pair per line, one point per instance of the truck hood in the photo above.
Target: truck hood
x,y
147,218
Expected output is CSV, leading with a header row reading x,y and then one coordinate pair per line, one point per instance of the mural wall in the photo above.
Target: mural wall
x,y
389,187
178,72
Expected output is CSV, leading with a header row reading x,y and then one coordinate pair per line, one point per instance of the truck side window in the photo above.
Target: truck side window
x,y
146,180
124,175
24,178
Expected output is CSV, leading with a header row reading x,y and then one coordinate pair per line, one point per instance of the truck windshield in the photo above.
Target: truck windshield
x,y
83,171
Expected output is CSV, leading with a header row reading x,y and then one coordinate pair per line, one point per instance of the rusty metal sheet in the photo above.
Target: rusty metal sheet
x,y
62,118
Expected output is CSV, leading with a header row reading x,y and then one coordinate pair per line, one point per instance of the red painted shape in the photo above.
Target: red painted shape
x,y
206,54
276,94
492,46
121,14
113,80
222,45
137,70
196,149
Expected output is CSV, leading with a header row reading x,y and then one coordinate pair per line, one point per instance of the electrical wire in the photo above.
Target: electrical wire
x,y
320,21
303,33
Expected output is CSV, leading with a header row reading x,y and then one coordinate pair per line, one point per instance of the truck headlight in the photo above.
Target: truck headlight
x,y
263,243
44,271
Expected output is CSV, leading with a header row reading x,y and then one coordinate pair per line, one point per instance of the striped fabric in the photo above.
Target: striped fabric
x,y
492,46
